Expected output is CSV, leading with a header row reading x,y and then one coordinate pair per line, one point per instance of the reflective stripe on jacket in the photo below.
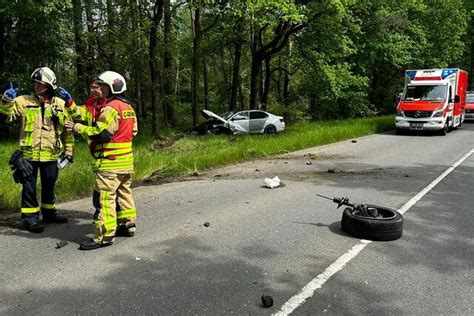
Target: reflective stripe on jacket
x,y
42,133
119,119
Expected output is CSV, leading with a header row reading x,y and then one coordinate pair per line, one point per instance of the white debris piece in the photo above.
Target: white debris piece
x,y
272,183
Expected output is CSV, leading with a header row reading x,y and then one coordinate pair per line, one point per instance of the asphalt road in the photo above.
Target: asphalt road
x,y
268,241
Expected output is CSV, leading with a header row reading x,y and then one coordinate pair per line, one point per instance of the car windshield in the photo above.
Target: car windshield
x,y
226,115
470,98
431,92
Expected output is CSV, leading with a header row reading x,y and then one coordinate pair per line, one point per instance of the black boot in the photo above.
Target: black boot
x,y
90,244
125,230
31,223
34,228
50,216
96,213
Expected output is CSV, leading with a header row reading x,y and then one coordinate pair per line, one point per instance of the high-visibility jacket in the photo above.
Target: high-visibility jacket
x,y
116,155
88,113
42,133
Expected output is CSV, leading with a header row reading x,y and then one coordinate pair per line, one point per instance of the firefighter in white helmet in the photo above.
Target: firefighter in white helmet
x,y
111,145
43,139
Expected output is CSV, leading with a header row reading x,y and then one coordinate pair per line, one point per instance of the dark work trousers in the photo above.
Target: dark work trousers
x,y
29,203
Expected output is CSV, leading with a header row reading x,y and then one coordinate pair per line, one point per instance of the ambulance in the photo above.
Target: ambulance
x,y
432,100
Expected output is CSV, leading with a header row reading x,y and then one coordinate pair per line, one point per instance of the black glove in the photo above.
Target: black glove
x,y
22,169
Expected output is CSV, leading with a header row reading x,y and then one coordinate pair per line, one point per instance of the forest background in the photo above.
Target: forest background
x,y
322,59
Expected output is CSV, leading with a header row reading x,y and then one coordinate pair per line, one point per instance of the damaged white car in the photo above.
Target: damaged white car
x,y
244,122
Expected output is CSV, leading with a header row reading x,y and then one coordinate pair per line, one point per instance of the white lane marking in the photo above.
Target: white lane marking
x,y
316,283
430,186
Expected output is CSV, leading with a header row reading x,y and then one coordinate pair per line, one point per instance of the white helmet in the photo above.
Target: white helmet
x,y
45,75
114,80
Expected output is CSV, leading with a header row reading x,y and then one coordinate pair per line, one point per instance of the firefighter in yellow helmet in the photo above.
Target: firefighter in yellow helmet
x,y
43,139
111,145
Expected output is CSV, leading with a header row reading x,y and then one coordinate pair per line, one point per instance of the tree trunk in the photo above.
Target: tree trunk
x,y
235,75
110,27
471,70
266,84
206,83
90,64
137,60
80,47
154,72
259,54
196,61
255,72
3,28
168,95
286,79
3,31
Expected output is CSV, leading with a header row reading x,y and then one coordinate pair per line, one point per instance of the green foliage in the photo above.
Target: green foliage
x,y
347,60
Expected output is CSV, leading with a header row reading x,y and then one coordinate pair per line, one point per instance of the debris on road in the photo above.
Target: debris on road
x,y
137,258
332,170
272,183
61,244
267,301
207,224
309,163
354,141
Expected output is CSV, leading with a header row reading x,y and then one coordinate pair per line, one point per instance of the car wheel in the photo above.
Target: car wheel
x,y
387,225
270,129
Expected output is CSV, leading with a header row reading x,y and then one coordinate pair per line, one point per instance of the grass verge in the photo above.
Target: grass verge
x,y
190,154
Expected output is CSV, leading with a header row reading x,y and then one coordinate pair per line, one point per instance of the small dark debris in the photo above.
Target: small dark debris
x,y
257,170
332,170
247,202
217,176
207,224
286,162
61,244
407,175
195,174
29,291
354,141
267,301
309,163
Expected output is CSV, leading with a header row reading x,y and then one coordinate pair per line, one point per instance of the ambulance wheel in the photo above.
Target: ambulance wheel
x,y
387,225
445,129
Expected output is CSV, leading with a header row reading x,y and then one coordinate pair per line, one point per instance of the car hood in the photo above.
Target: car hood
x,y
208,114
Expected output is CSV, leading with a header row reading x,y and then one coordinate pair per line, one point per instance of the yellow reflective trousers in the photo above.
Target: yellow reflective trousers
x,y
114,187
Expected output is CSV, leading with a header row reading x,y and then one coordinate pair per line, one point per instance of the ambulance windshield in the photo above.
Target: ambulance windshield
x,y
428,92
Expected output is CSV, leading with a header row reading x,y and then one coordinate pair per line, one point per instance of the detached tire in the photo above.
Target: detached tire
x,y
387,226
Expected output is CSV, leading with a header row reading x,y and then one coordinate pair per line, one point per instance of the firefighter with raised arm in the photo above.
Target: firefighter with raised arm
x,y
43,140
111,146
87,114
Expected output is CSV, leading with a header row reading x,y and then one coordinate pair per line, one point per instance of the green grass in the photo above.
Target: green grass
x,y
190,154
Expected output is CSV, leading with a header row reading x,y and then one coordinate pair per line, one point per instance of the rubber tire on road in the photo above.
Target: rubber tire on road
x,y
270,129
390,227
